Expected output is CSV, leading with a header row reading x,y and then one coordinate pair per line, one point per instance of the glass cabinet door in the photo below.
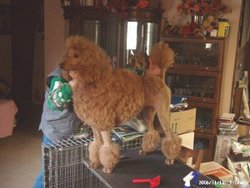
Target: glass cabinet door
x,y
200,87
206,143
206,121
118,36
139,36
196,54
103,33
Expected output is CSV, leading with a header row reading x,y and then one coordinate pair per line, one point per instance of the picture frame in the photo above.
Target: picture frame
x,y
4,19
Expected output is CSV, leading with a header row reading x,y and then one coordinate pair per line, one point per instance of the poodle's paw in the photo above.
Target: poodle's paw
x,y
94,149
109,157
141,152
107,170
169,161
150,142
94,165
171,147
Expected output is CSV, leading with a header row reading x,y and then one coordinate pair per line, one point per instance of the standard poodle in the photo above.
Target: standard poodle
x,y
104,97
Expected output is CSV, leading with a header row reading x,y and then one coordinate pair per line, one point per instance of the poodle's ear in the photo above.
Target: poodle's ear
x,y
72,53
73,46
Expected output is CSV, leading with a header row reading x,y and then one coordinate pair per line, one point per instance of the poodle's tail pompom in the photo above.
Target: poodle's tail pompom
x,y
150,142
162,55
171,147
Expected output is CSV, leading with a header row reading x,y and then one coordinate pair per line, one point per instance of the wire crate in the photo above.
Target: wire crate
x,y
64,163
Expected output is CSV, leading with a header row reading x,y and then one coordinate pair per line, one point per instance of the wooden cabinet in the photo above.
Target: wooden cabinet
x,y
111,31
196,75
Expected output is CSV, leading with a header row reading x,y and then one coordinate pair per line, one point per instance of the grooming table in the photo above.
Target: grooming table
x,y
134,165
8,110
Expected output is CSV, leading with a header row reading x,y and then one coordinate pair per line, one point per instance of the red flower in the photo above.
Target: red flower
x,y
201,7
196,8
142,4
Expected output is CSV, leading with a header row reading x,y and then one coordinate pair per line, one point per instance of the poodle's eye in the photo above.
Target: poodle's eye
x,y
76,55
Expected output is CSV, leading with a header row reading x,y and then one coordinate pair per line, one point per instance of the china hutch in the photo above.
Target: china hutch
x,y
196,75
118,33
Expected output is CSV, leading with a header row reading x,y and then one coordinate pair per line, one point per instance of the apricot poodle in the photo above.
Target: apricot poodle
x,y
104,97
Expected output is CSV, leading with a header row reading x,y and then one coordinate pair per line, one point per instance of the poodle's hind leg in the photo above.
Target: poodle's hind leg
x,y
171,144
109,153
151,139
94,149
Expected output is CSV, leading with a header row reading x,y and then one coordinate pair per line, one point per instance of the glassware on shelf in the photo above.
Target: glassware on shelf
x,y
195,53
187,85
204,118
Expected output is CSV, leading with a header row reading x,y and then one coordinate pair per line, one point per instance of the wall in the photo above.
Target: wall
x,y
54,31
230,55
5,53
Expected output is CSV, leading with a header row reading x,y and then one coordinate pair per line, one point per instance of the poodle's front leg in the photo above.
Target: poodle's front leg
x,y
94,148
109,153
151,139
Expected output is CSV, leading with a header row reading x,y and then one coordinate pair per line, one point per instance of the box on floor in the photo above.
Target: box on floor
x,y
183,121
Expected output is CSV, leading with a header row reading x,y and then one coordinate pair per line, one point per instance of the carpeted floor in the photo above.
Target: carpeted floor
x,y
20,153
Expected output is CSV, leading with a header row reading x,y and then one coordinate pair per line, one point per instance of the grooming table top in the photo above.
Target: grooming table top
x,y
133,165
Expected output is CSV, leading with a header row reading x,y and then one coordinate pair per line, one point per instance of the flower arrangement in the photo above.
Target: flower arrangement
x,y
120,7
200,7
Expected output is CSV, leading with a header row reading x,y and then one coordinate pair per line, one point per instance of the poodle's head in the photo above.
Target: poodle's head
x,y
162,55
84,57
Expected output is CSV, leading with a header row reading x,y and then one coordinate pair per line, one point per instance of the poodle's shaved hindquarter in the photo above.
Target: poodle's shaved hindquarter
x,y
104,97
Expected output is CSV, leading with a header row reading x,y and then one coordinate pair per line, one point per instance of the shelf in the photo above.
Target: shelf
x,y
196,54
152,15
199,86
144,15
86,12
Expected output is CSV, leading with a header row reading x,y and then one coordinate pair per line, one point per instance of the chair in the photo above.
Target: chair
x,y
191,157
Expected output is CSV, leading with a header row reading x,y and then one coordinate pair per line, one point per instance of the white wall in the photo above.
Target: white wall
x,y
54,31
230,54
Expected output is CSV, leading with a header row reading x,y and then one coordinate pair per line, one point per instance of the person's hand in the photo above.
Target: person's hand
x,y
73,81
73,74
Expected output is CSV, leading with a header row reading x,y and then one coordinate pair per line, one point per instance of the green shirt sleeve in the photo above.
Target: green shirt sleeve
x,y
60,94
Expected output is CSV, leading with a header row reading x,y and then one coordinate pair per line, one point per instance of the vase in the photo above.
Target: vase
x,y
197,19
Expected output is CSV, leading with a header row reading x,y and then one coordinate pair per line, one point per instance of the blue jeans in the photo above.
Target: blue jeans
x,y
39,179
